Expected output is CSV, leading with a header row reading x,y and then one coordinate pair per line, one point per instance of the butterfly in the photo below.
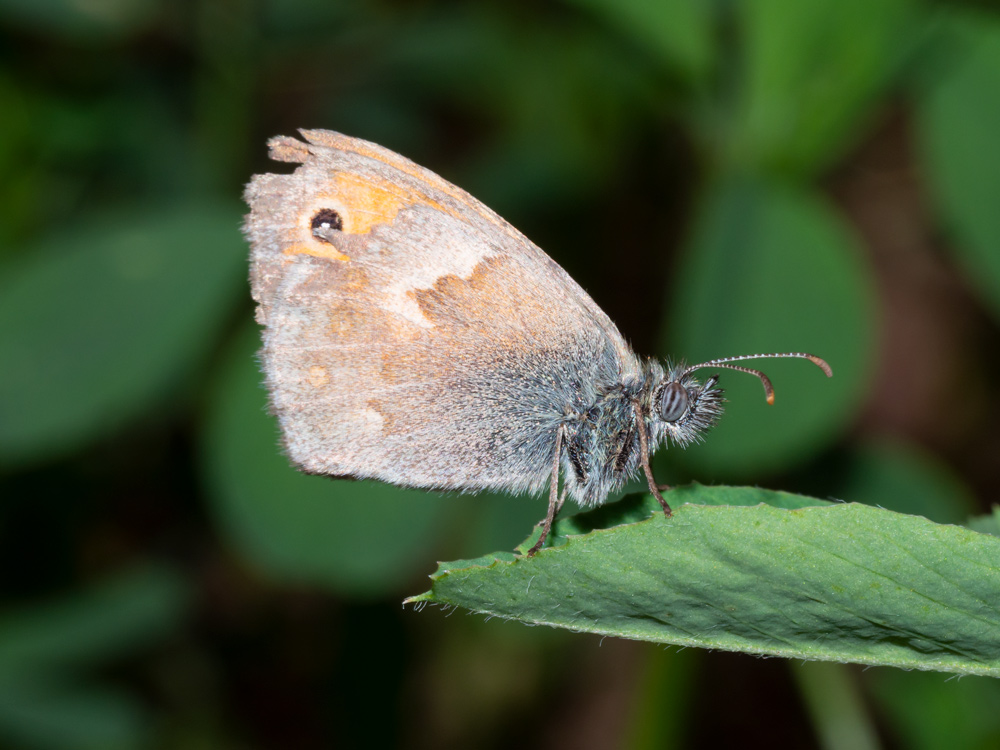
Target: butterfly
x,y
411,335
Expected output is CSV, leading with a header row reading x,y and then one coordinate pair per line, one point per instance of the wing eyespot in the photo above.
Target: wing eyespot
x,y
325,222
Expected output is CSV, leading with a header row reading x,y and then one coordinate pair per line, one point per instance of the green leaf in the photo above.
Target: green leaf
x,y
843,583
958,120
100,321
358,538
772,268
812,71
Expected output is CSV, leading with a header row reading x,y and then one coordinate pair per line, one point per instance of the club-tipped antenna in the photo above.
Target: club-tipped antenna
x,y
725,363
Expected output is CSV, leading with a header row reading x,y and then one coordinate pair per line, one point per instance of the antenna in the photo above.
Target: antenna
x,y
765,381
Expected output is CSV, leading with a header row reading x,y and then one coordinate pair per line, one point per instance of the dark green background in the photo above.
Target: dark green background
x,y
724,178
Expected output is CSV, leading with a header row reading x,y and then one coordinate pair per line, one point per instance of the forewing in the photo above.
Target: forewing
x,y
427,343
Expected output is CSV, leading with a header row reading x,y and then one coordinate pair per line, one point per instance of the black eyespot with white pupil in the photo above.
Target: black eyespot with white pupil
x,y
673,402
325,222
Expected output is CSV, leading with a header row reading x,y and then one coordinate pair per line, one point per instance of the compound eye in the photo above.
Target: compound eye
x,y
673,402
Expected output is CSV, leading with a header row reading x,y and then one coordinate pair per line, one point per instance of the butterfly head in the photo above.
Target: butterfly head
x,y
682,409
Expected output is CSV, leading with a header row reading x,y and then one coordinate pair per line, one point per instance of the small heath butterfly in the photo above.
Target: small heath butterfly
x,y
412,335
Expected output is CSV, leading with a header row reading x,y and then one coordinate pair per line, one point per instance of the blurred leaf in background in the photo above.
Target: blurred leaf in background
x,y
46,698
677,33
927,712
562,100
808,78
104,320
958,119
82,22
906,479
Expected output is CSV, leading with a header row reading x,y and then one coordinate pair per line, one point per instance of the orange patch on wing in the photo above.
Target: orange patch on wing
x,y
317,250
363,203
370,203
476,299
404,165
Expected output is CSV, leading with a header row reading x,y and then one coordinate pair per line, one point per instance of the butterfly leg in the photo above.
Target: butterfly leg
x,y
555,501
644,457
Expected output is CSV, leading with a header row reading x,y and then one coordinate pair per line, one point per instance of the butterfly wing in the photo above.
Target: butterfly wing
x,y
411,334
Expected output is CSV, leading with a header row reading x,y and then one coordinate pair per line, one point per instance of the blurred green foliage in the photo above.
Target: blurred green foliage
x,y
767,268
102,322
45,699
958,118
724,178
